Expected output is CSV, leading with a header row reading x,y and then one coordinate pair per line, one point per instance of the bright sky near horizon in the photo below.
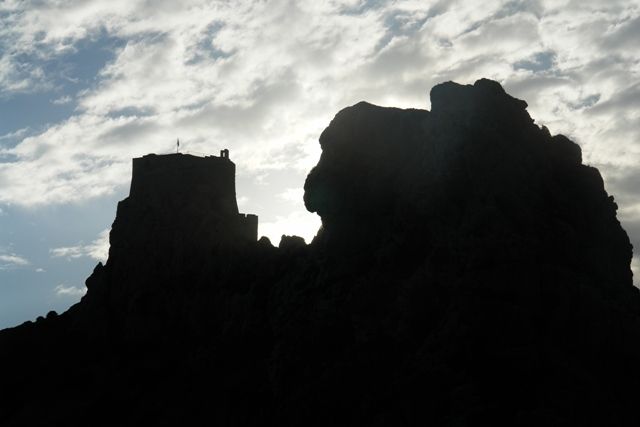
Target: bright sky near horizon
x,y
85,85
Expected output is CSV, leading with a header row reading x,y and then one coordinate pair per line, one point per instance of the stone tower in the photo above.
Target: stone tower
x,y
204,186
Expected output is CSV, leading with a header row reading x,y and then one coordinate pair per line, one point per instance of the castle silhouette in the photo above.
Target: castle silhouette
x,y
164,180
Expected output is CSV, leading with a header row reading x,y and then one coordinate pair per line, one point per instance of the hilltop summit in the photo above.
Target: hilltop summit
x,y
470,271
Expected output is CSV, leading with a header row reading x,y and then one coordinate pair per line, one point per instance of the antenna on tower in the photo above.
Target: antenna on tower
x,y
178,146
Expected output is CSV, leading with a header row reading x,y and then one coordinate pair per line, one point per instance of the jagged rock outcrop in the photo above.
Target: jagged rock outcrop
x,y
470,271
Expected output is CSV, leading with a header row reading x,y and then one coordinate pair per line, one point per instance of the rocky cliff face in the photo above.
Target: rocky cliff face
x,y
470,271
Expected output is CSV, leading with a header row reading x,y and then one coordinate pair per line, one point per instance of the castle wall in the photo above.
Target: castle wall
x,y
249,226
201,189
183,178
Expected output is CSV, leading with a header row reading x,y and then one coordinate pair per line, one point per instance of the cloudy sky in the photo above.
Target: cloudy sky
x,y
85,85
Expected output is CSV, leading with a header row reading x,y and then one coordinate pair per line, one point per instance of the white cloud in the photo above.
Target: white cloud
x,y
63,290
67,252
19,77
296,223
97,249
292,195
61,100
9,261
242,201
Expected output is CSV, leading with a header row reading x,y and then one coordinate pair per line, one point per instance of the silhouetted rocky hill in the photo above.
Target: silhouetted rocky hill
x,y
470,271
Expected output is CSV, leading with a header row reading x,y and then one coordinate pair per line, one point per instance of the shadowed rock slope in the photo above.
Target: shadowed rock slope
x,y
470,271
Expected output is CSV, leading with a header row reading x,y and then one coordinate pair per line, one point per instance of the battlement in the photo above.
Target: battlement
x,y
205,185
